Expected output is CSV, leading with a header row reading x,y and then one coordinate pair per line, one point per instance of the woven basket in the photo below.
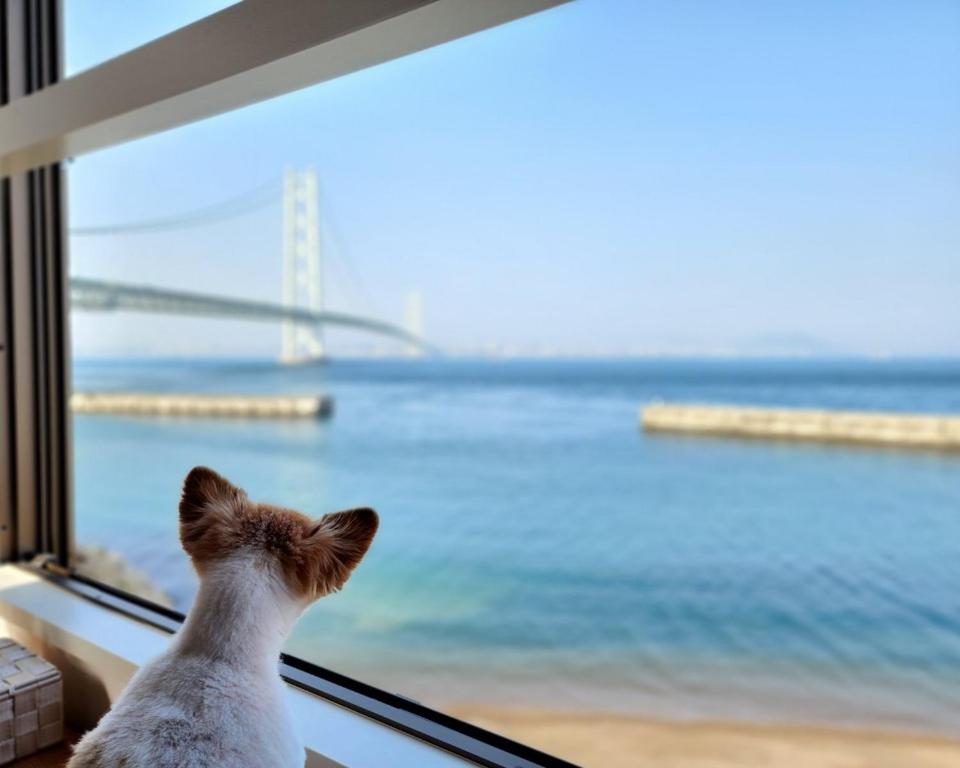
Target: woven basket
x,y
31,702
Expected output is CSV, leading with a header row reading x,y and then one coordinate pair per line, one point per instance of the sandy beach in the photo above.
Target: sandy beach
x,y
596,740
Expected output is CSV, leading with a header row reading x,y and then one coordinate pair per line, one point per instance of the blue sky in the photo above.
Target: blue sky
x,y
610,176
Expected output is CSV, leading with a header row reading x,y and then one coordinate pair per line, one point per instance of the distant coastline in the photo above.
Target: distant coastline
x,y
486,355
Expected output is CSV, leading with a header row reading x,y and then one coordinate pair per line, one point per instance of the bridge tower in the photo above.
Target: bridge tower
x,y
413,321
302,266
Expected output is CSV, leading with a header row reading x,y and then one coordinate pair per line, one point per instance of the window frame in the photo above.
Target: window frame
x,y
45,120
35,439
406,715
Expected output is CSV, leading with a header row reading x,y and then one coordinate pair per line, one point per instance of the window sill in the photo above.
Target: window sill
x,y
98,650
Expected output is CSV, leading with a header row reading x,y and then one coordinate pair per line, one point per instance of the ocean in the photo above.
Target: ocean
x,y
536,548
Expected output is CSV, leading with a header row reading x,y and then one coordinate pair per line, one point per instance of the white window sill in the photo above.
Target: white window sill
x,y
98,650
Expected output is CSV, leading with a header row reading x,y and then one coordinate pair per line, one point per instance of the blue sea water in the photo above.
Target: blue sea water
x,y
537,548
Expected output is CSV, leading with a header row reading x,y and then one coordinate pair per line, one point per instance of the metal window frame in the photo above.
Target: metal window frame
x,y
246,53
249,52
468,741
35,485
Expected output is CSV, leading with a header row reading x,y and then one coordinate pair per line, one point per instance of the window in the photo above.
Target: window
x,y
522,247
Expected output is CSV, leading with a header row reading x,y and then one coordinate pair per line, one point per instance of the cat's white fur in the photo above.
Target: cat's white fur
x,y
214,697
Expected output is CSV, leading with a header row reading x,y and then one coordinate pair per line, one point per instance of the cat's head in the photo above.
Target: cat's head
x,y
218,520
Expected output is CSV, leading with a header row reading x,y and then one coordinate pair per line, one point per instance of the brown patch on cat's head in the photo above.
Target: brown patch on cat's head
x,y
218,519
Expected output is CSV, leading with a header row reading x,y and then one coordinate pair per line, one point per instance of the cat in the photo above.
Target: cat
x,y
214,697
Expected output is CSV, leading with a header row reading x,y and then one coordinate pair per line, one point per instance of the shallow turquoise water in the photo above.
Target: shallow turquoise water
x,y
536,547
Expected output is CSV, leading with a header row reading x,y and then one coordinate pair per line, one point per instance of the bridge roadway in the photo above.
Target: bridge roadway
x,y
101,295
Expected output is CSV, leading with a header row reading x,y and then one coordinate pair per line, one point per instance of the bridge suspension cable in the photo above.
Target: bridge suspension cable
x,y
339,256
251,200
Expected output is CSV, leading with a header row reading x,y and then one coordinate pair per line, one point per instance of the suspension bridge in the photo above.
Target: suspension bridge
x,y
301,312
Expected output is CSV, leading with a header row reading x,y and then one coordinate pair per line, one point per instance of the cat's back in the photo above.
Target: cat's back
x,y
185,711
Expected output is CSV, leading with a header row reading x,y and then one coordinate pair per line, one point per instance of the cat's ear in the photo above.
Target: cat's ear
x,y
208,499
335,546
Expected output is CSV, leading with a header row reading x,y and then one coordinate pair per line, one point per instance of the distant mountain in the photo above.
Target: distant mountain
x,y
790,345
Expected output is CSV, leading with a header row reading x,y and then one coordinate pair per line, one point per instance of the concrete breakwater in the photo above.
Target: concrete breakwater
x,y
190,405
864,427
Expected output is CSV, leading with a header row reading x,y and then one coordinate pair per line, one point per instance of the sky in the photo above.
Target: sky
x,y
608,177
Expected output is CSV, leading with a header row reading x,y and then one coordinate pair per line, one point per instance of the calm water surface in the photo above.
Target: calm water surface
x,y
537,548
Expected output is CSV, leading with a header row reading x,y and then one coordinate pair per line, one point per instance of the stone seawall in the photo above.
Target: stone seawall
x,y
187,405
869,428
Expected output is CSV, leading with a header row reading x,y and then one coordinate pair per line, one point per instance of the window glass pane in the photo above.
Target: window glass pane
x,y
97,30
744,204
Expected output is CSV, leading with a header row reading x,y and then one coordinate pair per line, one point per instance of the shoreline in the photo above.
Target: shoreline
x,y
609,740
